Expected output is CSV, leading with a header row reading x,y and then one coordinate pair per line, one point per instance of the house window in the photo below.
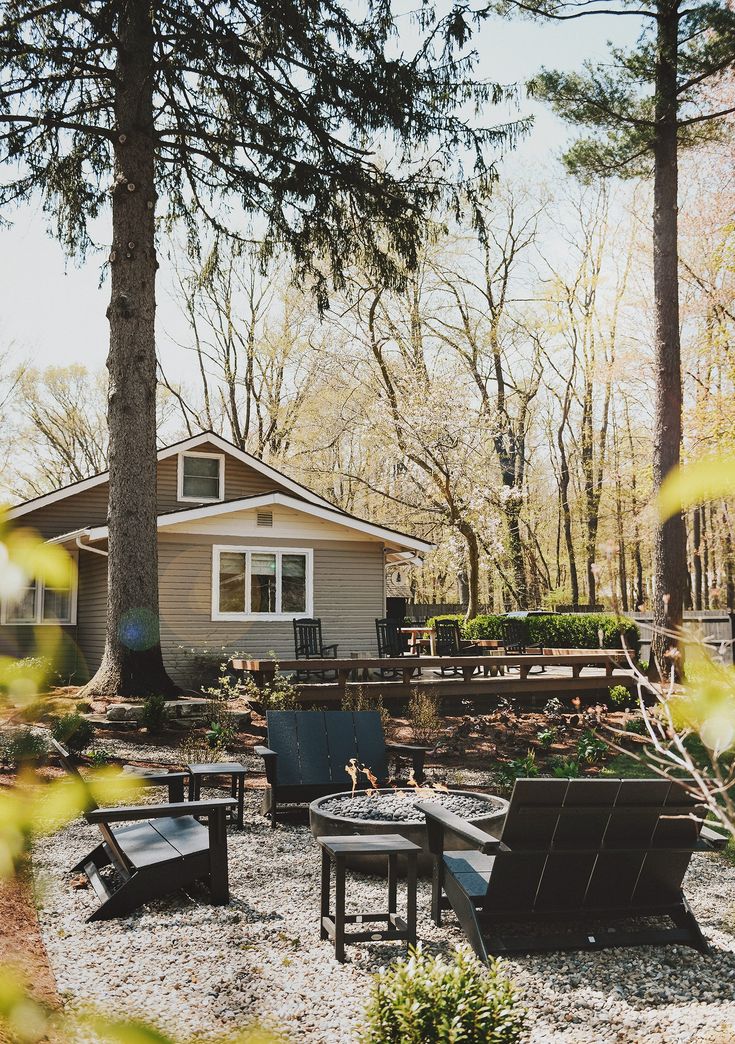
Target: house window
x,y
43,603
201,477
261,583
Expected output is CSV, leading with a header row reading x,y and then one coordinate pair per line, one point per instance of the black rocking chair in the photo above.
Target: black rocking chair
x,y
308,643
448,642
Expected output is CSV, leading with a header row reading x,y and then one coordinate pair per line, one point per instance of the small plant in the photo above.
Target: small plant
x,y
22,747
99,757
73,731
153,717
356,699
277,694
566,768
590,748
220,734
637,726
547,736
433,1000
196,749
621,696
228,686
423,715
522,768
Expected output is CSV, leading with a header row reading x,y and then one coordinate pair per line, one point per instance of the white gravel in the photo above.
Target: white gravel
x,y
201,970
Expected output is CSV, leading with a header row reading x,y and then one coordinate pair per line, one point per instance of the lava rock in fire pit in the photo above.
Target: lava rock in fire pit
x,y
400,806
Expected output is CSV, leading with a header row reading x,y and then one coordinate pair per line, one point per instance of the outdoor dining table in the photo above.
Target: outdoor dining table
x,y
418,636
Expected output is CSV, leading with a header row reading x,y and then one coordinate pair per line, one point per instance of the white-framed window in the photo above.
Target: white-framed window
x,y
43,603
201,477
261,583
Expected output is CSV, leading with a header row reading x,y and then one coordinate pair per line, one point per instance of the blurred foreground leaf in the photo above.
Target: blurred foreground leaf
x,y
706,479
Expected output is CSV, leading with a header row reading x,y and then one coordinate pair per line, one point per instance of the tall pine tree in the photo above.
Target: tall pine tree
x,y
643,106
303,114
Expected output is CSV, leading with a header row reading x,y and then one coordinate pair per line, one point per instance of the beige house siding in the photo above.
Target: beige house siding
x,y
89,507
348,596
91,609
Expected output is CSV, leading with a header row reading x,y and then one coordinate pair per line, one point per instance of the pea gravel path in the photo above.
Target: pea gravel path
x,y
200,970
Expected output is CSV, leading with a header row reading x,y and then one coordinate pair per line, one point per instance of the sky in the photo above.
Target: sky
x,y
53,310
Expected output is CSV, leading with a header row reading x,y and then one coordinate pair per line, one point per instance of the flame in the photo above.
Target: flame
x,y
373,780
352,770
420,792
440,786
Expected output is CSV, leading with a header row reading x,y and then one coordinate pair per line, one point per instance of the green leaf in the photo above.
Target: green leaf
x,y
706,479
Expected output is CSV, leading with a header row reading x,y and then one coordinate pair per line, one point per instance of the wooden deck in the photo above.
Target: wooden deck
x,y
588,675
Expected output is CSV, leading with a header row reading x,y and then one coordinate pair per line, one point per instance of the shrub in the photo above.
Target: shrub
x,y
423,715
229,686
73,731
563,630
621,696
219,734
546,736
431,1000
359,700
636,726
153,717
590,748
99,757
565,768
522,768
21,747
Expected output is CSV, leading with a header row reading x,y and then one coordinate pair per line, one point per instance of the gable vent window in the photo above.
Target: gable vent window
x,y
265,518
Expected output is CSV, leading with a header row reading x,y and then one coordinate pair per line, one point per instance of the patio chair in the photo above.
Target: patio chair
x,y
160,849
593,854
308,643
307,752
391,642
449,642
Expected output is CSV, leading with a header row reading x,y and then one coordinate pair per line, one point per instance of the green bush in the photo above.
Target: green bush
x,y
431,1000
637,726
21,747
563,630
590,748
73,731
153,717
522,768
621,696
565,768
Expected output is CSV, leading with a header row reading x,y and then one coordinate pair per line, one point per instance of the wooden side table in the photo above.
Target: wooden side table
x,y
198,773
332,925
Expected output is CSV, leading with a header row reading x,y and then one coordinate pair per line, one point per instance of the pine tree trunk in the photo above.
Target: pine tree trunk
x,y
132,664
669,538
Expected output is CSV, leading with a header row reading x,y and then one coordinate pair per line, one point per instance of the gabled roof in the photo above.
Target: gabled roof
x,y
206,437
398,540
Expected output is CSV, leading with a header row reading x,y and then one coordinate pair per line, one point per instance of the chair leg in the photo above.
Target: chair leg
x,y
437,882
684,918
467,916
218,871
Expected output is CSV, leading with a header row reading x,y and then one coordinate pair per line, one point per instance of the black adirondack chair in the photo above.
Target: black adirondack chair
x,y
308,643
160,849
590,853
307,752
448,642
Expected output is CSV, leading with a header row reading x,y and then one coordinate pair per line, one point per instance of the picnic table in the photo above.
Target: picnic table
x,y
263,670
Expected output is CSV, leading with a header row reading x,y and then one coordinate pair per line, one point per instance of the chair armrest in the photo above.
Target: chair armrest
x,y
712,838
173,780
326,651
270,757
439,819
408,747
131,813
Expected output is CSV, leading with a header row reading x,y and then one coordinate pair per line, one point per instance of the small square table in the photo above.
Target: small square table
x,y
199,773
332,925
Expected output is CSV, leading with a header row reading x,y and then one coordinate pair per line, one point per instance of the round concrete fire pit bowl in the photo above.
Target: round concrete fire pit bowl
x,y
393,811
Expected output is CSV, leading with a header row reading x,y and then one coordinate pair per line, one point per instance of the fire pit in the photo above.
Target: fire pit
x,y
393,811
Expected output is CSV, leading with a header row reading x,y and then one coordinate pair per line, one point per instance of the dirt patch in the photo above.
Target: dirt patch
x,y
21,945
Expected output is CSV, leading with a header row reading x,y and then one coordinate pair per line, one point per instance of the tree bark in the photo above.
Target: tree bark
x,y
669,537
132,663
473,569
697,558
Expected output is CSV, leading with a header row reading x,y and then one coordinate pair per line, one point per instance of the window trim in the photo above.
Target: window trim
x,y
248,550
180,478
40,595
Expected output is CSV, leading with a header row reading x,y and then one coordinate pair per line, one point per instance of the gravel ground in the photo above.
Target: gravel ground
x,y
201,970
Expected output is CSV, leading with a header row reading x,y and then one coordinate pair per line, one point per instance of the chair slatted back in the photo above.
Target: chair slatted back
x,y
307,634
390,640
605,844
515,635
314,746
447,640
